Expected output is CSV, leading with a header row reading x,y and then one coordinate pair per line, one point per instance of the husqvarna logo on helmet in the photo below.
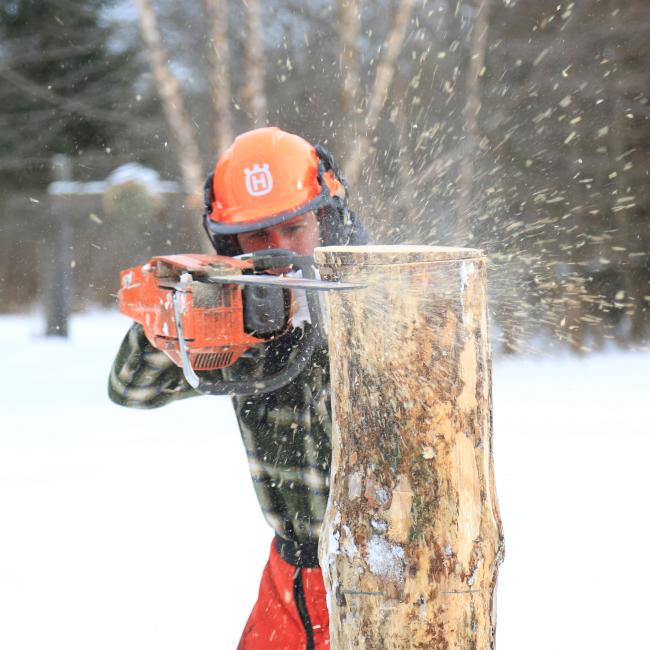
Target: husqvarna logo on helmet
x,y
258,180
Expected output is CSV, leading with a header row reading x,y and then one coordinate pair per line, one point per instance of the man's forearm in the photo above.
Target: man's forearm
x,y
144,377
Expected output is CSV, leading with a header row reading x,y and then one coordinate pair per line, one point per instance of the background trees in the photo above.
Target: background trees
x,y
519,127
69,83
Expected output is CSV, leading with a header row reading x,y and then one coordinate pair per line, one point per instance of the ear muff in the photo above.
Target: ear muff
x,y
207,208
337,220
222,244
330,166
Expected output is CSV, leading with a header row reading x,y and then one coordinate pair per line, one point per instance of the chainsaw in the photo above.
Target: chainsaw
x,y
205,311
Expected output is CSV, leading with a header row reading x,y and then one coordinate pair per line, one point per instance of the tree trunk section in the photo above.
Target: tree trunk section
x,y
221,95
380,87
412,536
189,156
173,105
471,121
55,263
348,27
254,92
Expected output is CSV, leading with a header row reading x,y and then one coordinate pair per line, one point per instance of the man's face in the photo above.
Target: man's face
x,y
300,235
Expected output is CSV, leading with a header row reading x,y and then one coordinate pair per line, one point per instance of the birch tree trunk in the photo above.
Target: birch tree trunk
x,y
173,105
470,115
630,301
379,92
221,93
348,15
254,92
412,536
405,171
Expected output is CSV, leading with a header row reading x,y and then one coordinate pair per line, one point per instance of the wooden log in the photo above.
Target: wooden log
x,y
412,536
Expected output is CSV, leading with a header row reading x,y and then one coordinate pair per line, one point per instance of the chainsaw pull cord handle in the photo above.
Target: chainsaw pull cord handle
x,y
306,347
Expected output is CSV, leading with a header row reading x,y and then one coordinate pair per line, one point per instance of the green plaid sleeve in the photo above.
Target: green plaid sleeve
x,y
287,432
144,377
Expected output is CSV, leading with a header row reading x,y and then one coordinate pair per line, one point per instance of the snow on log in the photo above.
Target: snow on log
x,y
412,536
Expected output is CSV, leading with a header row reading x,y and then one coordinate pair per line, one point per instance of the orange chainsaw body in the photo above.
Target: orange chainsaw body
x,y
212,317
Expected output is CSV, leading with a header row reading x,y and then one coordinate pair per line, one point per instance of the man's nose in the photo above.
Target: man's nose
x,y
278,240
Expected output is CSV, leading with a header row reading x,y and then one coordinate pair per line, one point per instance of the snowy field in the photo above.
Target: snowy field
x,y
132,530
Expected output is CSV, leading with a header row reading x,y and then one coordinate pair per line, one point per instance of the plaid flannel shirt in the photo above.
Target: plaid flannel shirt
x,y
287,433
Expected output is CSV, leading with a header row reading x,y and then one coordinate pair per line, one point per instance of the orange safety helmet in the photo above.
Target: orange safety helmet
x,y
268,176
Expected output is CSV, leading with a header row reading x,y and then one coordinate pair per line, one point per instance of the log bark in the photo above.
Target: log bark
x,y
412,536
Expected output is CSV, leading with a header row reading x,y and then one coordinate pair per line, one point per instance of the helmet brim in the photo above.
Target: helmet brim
x,y
324,199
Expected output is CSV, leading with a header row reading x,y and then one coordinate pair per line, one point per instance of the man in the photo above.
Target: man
x,y
270,189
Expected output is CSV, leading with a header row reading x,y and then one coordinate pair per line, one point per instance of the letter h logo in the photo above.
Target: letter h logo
x,y
258,180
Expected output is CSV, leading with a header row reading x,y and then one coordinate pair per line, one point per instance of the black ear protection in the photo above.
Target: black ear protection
x,y
330,165
337,221
221,246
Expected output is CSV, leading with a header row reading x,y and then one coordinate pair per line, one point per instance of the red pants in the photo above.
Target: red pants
x,y
291,611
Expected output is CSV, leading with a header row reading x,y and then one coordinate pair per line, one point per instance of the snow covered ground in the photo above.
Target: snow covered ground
x,y
137,530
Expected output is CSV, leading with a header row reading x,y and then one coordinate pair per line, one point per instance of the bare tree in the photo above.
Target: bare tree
x,y
173,105
349,29
404,171
379,91
220,82
626,297
253,91
470,117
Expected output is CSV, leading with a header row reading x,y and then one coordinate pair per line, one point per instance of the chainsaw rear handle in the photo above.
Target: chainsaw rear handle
x,y
273,258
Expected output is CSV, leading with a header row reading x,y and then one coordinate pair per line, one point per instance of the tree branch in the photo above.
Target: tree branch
x,y
69,103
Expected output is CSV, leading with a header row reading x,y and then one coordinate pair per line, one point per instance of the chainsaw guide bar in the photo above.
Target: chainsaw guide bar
x,y
283,281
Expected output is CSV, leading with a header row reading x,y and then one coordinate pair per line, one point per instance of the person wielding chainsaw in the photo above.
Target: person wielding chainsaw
x,y
269,190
